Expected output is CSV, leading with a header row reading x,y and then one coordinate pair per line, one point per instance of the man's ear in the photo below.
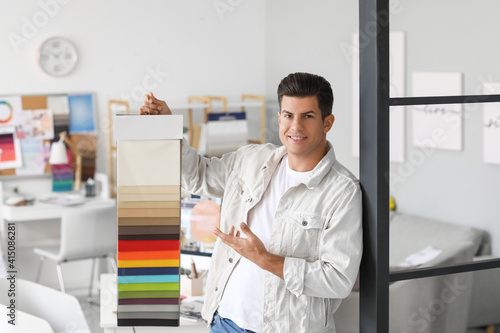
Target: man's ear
x,y
328,123
279,118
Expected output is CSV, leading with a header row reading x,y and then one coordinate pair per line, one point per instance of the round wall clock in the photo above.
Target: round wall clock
x,y
57,56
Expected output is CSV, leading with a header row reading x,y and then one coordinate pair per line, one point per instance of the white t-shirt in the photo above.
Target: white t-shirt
x,y
243,298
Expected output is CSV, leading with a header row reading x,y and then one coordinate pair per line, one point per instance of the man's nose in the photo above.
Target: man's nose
x,y
297,124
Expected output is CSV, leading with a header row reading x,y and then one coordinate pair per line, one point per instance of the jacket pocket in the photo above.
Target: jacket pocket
x,y
306,231
233,205
318,318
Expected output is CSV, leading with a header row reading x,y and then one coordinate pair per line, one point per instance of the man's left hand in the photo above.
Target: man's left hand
x,y
252,248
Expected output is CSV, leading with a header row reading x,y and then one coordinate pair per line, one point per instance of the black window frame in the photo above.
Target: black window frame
x,y
375,103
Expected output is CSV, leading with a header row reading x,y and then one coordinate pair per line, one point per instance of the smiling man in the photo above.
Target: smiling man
x,y
290,240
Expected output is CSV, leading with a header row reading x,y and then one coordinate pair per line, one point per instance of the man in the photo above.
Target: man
x,y
290,238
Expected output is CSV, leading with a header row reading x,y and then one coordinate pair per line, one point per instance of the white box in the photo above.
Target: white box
x,y
191,287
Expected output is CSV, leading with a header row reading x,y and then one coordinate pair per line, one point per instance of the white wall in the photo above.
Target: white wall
x,y
204,50
453,36
446,35
252,48
198,49
305,36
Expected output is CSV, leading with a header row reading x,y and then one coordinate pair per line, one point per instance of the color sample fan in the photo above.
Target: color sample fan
x,y
148,197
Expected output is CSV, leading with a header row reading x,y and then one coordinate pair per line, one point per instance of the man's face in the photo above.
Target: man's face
x,y
302,130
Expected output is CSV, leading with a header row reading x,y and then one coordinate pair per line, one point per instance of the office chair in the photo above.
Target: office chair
x,y
86,233
61,311
25,323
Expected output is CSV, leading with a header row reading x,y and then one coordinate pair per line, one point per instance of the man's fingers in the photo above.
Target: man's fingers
x,y
153,97
155,105
229,238
217,232
246,229
146,110
224,237
150,108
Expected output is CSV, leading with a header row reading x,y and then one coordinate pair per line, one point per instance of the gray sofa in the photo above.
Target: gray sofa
x,y
455,303
485,300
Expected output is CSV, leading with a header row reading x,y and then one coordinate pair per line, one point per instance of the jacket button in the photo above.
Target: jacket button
x,y
243,191
249,200
304,223
216,288
230,260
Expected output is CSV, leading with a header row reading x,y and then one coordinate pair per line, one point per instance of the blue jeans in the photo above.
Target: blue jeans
x,y
225,325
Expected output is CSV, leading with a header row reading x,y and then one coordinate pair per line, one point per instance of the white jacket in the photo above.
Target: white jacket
x,y
317,228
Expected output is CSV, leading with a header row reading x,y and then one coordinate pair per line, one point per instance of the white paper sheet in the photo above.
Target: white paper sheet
x,y
491,125
34,156
420,257
58,104
438,126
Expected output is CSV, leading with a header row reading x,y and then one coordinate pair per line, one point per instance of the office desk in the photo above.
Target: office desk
x,y
109,305
46,211
41,211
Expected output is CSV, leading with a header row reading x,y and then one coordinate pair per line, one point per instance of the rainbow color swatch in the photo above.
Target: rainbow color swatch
x,y
148,201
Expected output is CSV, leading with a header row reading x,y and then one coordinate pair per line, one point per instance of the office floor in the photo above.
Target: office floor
x,y
91,312
76,282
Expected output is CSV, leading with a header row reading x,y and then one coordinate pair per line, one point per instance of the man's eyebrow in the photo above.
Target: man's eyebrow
x,y
304,113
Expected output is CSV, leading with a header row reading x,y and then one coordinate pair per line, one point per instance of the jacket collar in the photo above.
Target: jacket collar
x,y
319,171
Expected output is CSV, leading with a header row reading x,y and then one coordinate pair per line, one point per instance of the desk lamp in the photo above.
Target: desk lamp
x,y
58,156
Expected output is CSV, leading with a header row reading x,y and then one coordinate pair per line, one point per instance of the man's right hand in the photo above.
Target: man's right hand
x,y
152,105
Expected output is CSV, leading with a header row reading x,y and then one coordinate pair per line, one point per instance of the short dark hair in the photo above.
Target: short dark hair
x,y
307,85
